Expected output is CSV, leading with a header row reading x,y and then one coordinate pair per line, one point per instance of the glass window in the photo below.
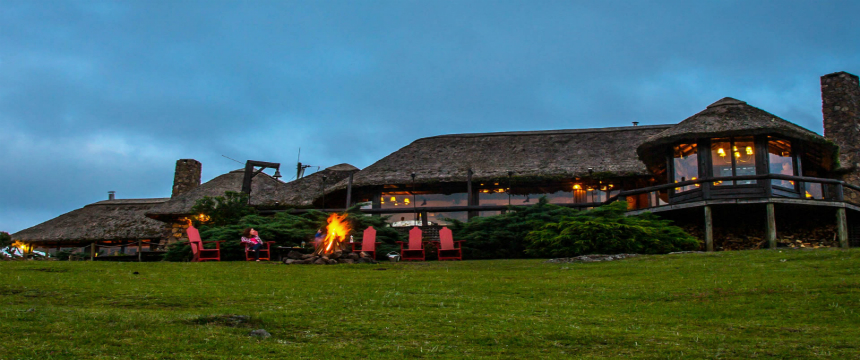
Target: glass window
x,y
439,218
733,157
686,165
721,160
781,161
744,153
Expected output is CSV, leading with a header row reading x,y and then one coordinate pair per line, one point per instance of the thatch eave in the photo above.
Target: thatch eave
x,y
121,219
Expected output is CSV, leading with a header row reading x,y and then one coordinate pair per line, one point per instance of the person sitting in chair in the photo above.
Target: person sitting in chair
x,y
251,238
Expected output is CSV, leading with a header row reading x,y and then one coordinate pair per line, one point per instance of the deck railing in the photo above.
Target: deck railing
x,y
659,195
811,188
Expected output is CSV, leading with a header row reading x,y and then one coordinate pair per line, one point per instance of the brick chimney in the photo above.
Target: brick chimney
x,y
186,177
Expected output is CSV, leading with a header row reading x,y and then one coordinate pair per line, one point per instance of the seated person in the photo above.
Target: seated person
x,y
253,241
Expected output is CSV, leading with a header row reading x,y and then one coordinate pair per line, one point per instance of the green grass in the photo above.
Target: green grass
x,y
751,304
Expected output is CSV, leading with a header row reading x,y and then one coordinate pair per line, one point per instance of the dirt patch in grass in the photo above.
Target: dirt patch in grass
x,y
30,293
230,320
50,270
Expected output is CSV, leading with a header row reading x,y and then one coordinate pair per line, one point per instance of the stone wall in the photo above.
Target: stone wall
x,y
173,233
840,105
187,176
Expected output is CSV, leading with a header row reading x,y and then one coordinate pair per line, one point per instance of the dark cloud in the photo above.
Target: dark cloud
x,y
98,96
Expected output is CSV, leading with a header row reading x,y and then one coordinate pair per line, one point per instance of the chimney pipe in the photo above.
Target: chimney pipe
x,y
111,195
635,123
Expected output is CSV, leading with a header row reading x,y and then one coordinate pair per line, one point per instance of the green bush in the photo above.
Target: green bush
x,y
606,230
503,236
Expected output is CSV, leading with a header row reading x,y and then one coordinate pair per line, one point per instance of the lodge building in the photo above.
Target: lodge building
x,y
733,175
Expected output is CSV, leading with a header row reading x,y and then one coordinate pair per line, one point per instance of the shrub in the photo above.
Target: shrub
x,y
503,236
607,230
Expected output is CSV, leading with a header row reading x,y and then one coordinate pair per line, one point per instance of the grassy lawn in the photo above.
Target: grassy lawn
x,y
750,304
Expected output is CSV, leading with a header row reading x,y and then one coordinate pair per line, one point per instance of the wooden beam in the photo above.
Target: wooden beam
x,y
842,227
349,191
770,233
93,251
139,247
709,229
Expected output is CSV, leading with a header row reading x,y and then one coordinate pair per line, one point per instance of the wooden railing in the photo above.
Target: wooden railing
x,y
832,189
836,194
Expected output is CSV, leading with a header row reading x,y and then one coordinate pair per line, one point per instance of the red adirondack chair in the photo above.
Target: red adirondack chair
x,y
415,251
265,251
201,253
368,243
446,246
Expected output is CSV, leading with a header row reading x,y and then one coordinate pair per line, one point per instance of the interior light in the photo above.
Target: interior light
x,y
721,152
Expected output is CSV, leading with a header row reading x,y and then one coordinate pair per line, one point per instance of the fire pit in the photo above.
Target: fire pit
x,y
332,249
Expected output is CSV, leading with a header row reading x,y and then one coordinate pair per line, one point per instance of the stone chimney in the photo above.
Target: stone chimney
x,y
111,195
840,105
186,177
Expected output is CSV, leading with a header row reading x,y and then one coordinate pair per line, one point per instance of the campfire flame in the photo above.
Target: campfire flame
x,y
336,233
24,247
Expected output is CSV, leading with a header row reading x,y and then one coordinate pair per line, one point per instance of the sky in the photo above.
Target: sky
x,y
107,95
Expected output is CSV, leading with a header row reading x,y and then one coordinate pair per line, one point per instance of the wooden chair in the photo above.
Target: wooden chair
x,y
415,252
368,243
201,253
265,251
447,246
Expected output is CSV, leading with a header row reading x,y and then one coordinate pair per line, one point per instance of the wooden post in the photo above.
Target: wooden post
x,y
469,195
840,192
139,247
842,227
709,229
93,251
770,235
349,191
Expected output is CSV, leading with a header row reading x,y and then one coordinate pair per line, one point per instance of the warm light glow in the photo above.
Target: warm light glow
x,y
808,195
694,178
336,233
737,154
501,190
721,152
406,200
24,247
577,187
393,199
203,217
749,150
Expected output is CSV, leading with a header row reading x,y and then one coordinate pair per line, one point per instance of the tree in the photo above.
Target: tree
x,y
222,210
5,239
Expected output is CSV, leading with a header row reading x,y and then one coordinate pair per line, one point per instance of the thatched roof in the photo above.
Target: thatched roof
x,y
724,118
266,191
302,192
548,154
105,220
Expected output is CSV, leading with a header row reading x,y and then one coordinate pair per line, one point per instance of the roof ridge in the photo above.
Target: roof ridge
x,y
551,132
